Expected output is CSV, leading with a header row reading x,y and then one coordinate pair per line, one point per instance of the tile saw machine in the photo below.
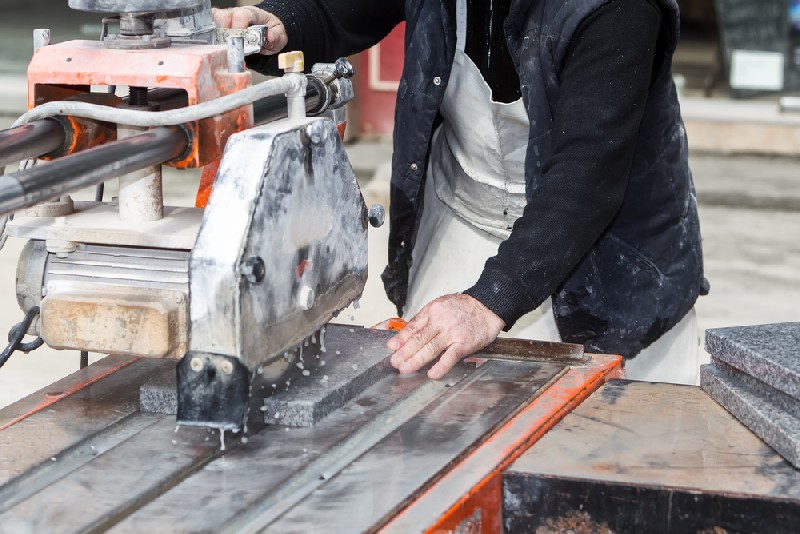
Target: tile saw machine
x,y
239,291
279,249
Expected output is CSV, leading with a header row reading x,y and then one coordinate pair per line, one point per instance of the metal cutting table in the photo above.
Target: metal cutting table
x,y
406,454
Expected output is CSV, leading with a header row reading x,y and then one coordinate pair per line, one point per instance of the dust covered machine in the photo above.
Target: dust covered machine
x,y
217,318
228,287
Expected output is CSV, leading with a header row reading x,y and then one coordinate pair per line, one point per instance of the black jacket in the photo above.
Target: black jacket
x,y
623,264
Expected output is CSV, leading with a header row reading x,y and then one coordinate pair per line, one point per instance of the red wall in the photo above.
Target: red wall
x,y
379,70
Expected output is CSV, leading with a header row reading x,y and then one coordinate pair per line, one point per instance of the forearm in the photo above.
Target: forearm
x,y
328,29
604,88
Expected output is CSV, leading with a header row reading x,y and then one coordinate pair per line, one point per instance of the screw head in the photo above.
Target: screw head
x,y
254,270
196,364
226,367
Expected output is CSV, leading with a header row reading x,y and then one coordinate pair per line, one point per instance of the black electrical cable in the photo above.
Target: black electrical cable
x,y
17,333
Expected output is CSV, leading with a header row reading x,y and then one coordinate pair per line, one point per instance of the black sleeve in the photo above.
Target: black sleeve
x,y
604,85
326,30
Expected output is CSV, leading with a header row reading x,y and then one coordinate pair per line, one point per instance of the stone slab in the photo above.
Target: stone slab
x,y
780,400
777,427
159,394
650,457
354,359
767,352
332,372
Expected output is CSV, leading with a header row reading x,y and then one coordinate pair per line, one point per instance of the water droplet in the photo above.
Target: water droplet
x,y
300,365
222,440
306,372
177,427
277,415
174,442
338,352
324,378
244,439
263,408
53,459
322,363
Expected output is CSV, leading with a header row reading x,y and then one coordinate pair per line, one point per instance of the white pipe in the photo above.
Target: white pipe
x,y
285,84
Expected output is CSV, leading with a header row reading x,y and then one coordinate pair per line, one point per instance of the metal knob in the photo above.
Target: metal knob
x,y
291,61
376,215
343,68
305,297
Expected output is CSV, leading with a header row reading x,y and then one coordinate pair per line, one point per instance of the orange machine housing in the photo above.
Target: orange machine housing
x,y
68,70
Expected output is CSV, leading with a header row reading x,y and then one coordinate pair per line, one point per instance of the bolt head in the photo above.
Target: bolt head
x,y
254,270
196,364
226,367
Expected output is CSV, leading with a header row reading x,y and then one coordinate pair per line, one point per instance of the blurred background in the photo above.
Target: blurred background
x,y
737,68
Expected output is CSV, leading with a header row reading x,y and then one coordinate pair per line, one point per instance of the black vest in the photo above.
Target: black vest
x,y
644,274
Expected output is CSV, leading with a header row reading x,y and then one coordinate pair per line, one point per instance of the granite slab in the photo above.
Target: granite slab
x,y
159,394
354,359
777,427
767,352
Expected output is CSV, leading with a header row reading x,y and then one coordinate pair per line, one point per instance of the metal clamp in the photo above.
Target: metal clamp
x,y
255,37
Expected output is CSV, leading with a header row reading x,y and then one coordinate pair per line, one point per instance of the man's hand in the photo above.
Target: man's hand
x,y
240,18
453,327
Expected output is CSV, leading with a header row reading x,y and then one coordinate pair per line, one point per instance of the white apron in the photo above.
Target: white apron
x,y
474,191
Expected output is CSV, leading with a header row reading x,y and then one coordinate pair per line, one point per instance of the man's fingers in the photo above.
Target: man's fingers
x,y
423,356
449,359
244,17
414,325
221,17
413,344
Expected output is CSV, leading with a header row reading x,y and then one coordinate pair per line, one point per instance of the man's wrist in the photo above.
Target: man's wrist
x,y
504,297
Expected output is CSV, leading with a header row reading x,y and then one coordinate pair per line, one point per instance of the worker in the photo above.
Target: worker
x,y
540,181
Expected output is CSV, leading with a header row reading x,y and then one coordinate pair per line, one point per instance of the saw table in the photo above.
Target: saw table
x,y
404,454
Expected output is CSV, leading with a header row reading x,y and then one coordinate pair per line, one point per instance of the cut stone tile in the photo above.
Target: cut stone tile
x,y
767,352
159,394
354,359
778,428
349,360
779,399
